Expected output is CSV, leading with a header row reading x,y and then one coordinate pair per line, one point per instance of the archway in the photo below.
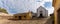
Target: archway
x,y
19,17
41,14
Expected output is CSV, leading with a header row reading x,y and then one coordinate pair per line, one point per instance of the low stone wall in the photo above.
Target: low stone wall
x,y
6,17
4,20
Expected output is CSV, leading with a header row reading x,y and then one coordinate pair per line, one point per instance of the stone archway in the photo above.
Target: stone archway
x,y
19,17
58,16
41,14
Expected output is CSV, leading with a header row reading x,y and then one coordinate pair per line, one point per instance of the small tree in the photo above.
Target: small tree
x,y
3,10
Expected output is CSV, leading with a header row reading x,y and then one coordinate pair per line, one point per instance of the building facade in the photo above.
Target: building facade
x,y
22,16
42,12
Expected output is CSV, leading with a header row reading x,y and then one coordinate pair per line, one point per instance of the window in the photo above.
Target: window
x,y
15,16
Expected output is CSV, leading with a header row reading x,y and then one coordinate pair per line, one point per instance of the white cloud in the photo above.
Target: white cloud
x,y
25,5
50,10
42,2
47,0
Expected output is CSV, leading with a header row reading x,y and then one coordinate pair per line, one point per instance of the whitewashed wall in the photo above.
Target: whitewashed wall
x,y
44,11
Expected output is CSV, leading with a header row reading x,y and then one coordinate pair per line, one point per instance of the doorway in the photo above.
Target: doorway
x,y
19,17
41,15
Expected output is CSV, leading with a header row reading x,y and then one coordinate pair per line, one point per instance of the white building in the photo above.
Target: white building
x,y
42,12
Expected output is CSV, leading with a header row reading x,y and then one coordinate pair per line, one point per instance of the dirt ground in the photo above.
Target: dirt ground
x,y
6,21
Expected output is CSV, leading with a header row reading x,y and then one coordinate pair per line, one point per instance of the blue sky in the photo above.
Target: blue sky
x,y
48,4
20,6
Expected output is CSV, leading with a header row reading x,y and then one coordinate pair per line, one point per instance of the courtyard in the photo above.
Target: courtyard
x,y
39,21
